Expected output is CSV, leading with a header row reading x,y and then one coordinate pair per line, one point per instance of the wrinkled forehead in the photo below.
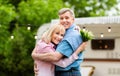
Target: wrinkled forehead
x,y
68,12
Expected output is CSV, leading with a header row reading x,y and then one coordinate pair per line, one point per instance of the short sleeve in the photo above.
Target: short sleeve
x,y
64,48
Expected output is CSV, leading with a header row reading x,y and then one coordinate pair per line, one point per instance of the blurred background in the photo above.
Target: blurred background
x,y
19,23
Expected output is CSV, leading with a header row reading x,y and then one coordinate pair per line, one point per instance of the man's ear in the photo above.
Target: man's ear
x,y
73,19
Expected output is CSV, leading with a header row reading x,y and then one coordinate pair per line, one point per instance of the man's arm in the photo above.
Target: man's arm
x,y
49,56
81,48
52,56
67,61
45,54
55,56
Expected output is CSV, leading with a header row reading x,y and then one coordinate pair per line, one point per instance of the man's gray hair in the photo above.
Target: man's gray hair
x,y
64,10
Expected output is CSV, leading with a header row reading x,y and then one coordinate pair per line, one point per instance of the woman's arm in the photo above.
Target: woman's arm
x,y
67,61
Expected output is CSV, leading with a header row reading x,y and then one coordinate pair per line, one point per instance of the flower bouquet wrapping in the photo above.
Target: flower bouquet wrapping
x,y
86,35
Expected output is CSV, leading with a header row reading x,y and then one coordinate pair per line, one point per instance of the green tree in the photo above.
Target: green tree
x,y
88,8
15,54
18,57
37,12
7,13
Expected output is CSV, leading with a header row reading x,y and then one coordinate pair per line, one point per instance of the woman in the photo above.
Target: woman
x,y
48,42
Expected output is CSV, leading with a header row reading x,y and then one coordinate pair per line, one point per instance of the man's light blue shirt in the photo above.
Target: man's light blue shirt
x,y
68,45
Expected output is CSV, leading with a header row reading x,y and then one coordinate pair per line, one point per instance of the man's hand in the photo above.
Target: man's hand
x,y
36,69
83,45
81,48
77,28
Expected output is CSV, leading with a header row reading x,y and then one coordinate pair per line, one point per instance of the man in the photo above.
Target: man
x,y
71,41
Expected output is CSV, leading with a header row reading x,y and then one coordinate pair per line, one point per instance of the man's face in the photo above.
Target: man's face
x,y
66,19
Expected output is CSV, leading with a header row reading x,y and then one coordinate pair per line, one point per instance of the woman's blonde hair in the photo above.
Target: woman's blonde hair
x,y
48,34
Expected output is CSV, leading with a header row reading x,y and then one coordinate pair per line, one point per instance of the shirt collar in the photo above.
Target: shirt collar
x,y
71,27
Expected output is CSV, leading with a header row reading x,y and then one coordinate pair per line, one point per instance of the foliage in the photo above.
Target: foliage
x,y
4,36
7,14
87,8
36,12
15,54
18,53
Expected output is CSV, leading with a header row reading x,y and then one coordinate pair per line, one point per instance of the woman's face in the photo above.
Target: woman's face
x,y
57,36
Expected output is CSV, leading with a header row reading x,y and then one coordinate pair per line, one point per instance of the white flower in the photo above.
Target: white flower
x,y
86,35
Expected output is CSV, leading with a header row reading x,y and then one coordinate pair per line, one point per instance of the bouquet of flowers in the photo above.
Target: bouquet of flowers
x,y
86,35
